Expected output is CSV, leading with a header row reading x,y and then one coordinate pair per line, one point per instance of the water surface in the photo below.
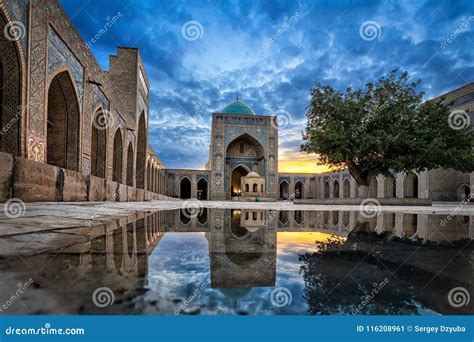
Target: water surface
x,y
251,262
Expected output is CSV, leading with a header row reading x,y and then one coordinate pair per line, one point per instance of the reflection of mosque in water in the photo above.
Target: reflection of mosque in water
x,y
242,243
242,247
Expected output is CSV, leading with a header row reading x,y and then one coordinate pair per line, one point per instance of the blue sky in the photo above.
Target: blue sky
x,y
271,52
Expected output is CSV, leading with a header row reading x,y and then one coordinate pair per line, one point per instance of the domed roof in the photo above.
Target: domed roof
x,y
253,174
238,107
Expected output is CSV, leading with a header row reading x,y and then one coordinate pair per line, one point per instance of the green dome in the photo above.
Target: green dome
x,y
238,107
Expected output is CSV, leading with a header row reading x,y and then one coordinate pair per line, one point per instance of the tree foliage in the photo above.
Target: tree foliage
x,y
385,128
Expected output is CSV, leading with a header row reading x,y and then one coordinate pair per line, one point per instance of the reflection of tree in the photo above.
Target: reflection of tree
x,y
341,279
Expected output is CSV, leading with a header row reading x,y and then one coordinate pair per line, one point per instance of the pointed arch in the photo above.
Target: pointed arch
x,y
130,163
346,188
63,122
335,188
299,190
142,143
117,156
284,189
98,144
410,185
185,188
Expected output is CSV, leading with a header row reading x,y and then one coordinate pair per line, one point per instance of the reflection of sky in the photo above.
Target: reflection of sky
x,y
180,264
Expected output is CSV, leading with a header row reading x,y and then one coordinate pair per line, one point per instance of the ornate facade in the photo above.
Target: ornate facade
x,y
72,131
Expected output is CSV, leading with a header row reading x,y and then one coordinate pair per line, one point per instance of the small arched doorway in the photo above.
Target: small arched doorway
x,y
335,189
390,187
284,189
346,188
130,165
326,189
202,189
464,193
237,173
117,156
373,187
410,185
299,190
141,152
185,188
63,123
98,145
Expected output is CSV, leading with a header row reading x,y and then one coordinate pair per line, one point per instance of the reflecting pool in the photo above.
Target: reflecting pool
x,y
251,262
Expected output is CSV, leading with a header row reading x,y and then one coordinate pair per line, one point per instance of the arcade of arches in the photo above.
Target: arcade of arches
x,y
72,115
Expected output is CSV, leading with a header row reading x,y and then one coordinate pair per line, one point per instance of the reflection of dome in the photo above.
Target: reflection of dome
x,y
235,294
238,107
252,174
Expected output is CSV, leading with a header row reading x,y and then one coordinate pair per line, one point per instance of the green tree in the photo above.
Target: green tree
x,y
386,128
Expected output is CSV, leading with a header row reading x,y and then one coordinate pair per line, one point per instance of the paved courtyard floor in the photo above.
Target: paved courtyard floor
x,y
31,228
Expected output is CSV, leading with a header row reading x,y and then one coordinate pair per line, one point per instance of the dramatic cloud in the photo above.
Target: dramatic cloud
x,y
200,54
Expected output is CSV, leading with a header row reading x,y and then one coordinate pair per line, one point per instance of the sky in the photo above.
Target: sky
x,y
199,55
